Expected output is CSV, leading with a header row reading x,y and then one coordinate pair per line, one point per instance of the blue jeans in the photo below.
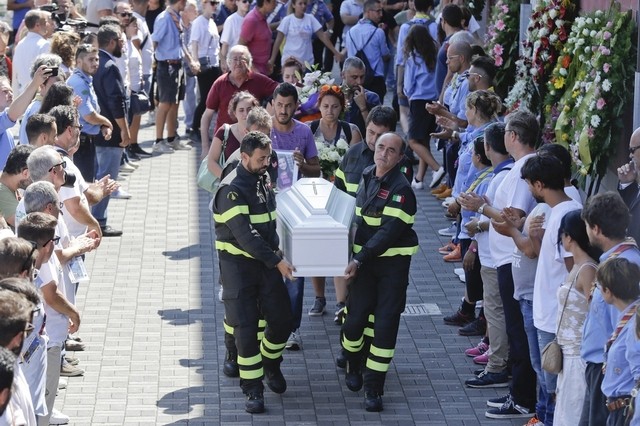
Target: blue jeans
x,y
108,161
526,307
550,380
295,288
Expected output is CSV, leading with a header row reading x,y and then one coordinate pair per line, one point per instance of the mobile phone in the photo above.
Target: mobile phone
x,y
53,72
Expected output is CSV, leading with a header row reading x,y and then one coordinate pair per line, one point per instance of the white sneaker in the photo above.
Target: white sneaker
x,y
294,343
58,418
121,194
448,232
437,177
448,202
220,294
462,277
178,145
458,271
417,184
127,168
62,383
162,147
131,163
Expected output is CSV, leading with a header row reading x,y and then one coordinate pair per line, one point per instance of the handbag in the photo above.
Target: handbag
x,y
140,103
205,179
552,352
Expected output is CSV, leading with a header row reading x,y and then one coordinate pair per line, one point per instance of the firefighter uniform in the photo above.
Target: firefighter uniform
x,y
383,245
252,287
355,160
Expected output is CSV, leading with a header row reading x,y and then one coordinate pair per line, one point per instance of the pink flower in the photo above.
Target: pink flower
x,y
500,25
606,35
605,51
590,131
606,67
498,61
505,8
609,24
497,51
600,103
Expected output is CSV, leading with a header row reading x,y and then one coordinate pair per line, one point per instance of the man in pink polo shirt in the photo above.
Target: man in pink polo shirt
x,y
256,35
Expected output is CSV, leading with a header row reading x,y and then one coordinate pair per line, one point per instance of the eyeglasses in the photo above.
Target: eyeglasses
x,y
55,241
633,149
214,3
77,126
244,1
28,263
237,59
330,88
125,14
63,164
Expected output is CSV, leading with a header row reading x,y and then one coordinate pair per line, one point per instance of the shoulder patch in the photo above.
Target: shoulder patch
x,y
398,198
232,195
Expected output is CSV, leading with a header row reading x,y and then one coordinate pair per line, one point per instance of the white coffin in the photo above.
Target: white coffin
x,y
314,222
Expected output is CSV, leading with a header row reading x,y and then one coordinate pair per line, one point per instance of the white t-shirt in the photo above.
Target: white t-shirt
x,y
19,411
512,192
57,323
33,362
147,48
74,227
134,65
231,32
299,33
205,32
551,271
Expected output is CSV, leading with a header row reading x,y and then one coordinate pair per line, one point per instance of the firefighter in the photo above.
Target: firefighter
x,y
252,270
383,245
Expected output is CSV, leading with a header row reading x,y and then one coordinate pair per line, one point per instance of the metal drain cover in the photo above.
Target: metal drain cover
x,y
421,309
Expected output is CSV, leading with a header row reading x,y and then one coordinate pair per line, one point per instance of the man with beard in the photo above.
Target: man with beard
x,y
630,183
112,97
291,135
14,176
252,268
359,100
15,323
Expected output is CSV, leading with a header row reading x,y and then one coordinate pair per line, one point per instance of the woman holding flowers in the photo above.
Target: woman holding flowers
x,y
330,129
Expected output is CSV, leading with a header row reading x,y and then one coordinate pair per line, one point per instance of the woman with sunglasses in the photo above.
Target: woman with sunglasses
x,y
330,129
230,135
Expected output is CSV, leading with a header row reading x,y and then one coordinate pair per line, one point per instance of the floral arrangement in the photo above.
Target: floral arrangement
x,y
568,72
546,35
311,84
591,112
502,42
330,156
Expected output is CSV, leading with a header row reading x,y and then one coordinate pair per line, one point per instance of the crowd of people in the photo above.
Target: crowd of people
x,y
552,268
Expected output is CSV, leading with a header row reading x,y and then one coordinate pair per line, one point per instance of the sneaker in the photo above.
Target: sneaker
x,y
417,184
62,383
454,256
437,177
509,410
447,248
130,160
481,359
534,421
447,202
318,307
127,168
254,403
478,350
68,370
477,328
294,343
121,194
448,232
341,359
498,402
489,380
58,418
339,314
439,189
137,150
107,231
220,294
462,277
178,145
162,147
72,360
74,345
458,319
373,401
458,271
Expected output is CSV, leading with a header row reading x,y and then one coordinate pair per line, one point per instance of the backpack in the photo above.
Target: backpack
x,y
370,72
346,129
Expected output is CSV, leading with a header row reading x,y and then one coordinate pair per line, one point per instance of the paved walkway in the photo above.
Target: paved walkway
x,y
153,327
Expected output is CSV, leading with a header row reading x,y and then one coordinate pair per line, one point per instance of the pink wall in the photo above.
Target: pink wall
x,y
589,5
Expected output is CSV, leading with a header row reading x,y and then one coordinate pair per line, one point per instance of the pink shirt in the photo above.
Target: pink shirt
x,y
256,33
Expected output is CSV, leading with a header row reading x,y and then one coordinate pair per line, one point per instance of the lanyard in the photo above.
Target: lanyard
x,y
478,180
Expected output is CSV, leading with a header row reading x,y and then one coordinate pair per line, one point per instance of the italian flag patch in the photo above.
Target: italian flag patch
x,y
398,198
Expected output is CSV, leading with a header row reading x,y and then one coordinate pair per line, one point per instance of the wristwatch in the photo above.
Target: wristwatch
x,y
481,208
357,262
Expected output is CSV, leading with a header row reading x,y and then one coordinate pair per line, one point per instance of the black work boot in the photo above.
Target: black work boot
x,y
275,379
341,359
230,366
353,375
255,402
373,401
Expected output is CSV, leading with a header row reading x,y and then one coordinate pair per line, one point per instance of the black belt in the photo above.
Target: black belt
x,y
171,62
